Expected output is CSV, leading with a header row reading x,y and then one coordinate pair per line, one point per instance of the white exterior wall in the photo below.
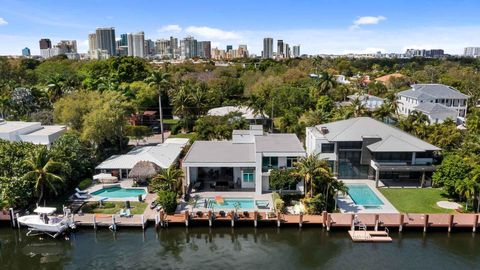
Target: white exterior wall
x,y
258,174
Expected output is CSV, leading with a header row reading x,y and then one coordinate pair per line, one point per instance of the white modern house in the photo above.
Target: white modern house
x,y
369,101
163,155
33,132
244,163
437,101
364,148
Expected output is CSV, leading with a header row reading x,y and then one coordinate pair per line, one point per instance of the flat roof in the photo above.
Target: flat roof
x,y
284,143
46,131
12,126
220,152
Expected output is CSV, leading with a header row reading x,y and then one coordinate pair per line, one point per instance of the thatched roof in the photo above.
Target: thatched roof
x,y
144,170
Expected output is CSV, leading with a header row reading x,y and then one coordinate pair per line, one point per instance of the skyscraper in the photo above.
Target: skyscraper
x,y
267,48
296,51
188,47
92,42
174,47
68,46
45,43
106,40
204,49
26,52
136,44
123,40
280,52
163,47
472,51
229,48
286,50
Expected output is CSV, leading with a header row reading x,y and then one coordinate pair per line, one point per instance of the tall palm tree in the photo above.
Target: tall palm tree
x,y
466,189
358,107
55,87
326,83
161,80
308,168
382,112
182,102
42,170
171,178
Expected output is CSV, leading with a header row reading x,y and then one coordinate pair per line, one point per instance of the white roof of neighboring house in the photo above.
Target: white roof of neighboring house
x,y
164,155
365,97
247,113
431,108
433,91
355,129
12,126
47,130
278,143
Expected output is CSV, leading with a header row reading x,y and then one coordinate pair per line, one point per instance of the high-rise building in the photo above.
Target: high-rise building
x,y
45,43
267,48
149,47
106,40
296,51
204,49
242,51
123,40
26,52
174,49
68,46
229,48
280,47
286,50
136,44
188,47
472,52
163,47
92,42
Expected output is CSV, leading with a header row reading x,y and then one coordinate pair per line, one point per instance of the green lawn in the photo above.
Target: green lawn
x,y
137,208
171,121
416,200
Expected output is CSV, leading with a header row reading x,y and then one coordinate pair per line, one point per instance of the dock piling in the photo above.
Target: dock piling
x,y
187,217
352,222
425,222
255,218
300,220
143,222
278,219
12,217
324,219
450,222
94,222
16,217
376,222
157,220
400,224
329,221
232,215
475,223
210,217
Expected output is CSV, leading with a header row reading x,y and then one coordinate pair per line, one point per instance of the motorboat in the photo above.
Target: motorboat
x,y
44,221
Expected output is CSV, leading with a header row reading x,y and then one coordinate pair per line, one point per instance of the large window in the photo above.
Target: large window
x,y
349,145
328,147
248,175
393,157
291,162
269,163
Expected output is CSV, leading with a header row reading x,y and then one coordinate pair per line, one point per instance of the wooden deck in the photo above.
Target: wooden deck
x,y
369,236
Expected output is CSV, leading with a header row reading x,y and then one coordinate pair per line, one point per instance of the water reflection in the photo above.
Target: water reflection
x,y
239,248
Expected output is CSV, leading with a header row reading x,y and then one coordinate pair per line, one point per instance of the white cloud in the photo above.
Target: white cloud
x,y
172,28
212,33
3,21
365,20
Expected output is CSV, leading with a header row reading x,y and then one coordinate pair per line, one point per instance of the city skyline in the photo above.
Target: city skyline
x,y
364,27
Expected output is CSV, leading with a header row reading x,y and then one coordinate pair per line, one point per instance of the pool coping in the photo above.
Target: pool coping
x,y
347,205
121,184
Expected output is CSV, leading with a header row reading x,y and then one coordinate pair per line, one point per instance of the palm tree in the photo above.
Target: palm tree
x,y
55,87
466,189
42,169
170,178
326,83
310,167
182,101
383,112
161,80
358,107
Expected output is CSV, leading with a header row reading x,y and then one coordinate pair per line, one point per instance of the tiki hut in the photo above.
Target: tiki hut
x,y
143,171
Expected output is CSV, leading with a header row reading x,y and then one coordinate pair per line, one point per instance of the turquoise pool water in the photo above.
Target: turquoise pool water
x,y
118,192
229,203
361,194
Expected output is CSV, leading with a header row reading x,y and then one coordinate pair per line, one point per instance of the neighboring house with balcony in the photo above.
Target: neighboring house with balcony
x,y
363,147
437,101
241,164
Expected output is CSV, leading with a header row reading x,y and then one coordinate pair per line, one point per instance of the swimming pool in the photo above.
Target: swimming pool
x,y
229,203
119,192
363,195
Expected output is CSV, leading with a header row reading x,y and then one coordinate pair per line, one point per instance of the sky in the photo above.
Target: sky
x,y
319,27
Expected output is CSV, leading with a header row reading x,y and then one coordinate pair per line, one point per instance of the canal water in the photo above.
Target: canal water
x,y
239,248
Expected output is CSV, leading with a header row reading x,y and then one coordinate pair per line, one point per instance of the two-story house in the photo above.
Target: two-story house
x,y
363,147
241,164
437,101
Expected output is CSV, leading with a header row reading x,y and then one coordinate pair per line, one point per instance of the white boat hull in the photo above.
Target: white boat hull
x,y
55,225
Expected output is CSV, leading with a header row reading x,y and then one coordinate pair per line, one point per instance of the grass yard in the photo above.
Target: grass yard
x,y
137,208
416,200
171,121
191,136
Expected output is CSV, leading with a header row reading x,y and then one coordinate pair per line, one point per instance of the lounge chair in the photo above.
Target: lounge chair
x,y
153,204
128,213
263,204
122,213
80,196
81,191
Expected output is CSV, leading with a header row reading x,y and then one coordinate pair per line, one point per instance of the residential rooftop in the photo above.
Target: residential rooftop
x,y
421,91
356,129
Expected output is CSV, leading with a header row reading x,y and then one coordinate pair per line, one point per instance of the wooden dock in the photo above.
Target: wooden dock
x,y
369,236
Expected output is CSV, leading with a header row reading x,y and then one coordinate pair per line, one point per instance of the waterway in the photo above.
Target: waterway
x,y
238,248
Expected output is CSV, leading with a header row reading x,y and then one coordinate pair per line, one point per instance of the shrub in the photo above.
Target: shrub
x,y
314,205
279,205
168,200
85,183
283,179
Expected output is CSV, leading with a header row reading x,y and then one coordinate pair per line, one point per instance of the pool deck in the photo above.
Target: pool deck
x,y
347,205
127,183
231,194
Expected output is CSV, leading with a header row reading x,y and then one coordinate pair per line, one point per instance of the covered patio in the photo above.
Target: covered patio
x,y
221,178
